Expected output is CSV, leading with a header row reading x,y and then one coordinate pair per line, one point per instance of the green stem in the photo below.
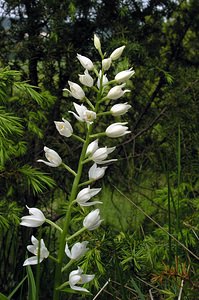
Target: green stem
x,y
51,223
86,161
69,169
76,234
96,72
63,285
78,138
53,258
179,177
103,99
104,113
111,82
97,135
74,190
70,263
95,89
64,234
169,218
86,182
38,268
89,103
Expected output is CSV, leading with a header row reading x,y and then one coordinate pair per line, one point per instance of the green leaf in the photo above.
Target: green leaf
x,y
3,297
31,284
138,291
17,287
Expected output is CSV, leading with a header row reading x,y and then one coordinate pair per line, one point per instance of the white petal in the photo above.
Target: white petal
x,y
86,278
78,288
32,261
31,221
92,147
117,53
76,116
47,163
106,161
37,213
32,249
89,203
79,249
68,252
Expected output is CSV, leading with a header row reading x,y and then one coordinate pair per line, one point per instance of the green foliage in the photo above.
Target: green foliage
x,y
161,39
3,297
31,284
20,183
9,124
9,214
35,180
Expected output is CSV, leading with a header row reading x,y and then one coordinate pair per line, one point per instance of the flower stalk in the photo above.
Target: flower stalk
x,y
90,152
51,223
64,234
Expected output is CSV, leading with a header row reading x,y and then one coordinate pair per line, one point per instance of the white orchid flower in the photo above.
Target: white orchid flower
x,y
101,154
86,79
54,160
117,92
86,194
98,155
84,115
117,53
85,62
116,130
124,75
92,220
75,90
77,250
120,109
35,219
38,249
76,277
64,128
96,173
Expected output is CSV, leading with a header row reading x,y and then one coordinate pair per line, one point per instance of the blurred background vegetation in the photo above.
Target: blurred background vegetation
x,y
148,243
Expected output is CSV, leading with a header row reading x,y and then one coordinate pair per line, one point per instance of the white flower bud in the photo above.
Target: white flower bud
x,y
54,160
85,195
120,109
116,130
35,219
124,75
106,63
92,147
117,92
86,79
97,42
96,173
117,53
64,128
101,154
85,62
75,90
92,220
77,251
